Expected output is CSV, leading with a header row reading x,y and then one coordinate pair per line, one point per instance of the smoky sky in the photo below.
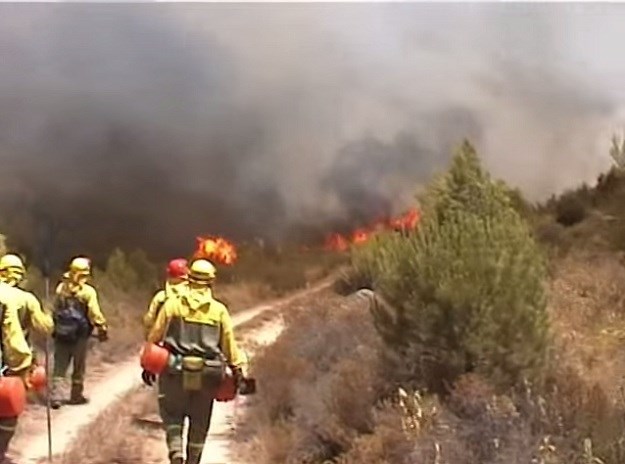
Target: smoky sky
x,y
145,125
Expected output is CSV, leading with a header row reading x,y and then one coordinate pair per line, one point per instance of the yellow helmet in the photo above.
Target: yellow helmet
x,y
202,271
80,266
11,262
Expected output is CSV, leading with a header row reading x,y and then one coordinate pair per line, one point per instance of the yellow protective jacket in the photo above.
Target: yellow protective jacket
x,y
170,291
31,314
199,306
85,293
16,354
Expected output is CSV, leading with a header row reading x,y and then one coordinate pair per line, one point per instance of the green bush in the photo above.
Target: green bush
x,y
129,272
465,292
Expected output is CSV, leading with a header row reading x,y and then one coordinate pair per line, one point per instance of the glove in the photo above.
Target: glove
x,y
148,378
103,334
237,373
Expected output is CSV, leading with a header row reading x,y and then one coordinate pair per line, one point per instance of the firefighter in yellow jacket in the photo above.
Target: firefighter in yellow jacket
x,y
177,270
198,332
31,314
16,356
76,314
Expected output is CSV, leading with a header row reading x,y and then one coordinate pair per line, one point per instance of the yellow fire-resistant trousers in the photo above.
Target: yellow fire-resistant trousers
x,y
175,404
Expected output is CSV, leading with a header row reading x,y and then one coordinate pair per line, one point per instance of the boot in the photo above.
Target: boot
x,y
176,459
56,400
76,396
55,404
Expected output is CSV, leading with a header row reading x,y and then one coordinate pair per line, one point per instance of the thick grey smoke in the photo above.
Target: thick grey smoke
x,y
145,125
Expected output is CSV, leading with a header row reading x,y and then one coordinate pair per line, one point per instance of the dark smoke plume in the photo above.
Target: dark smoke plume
x,y
146,125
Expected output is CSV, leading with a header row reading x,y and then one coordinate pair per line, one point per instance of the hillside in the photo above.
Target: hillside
x,y
347,397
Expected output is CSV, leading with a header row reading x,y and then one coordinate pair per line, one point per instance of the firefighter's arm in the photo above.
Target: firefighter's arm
x,y
158,329
39,319
18,355
93,308
227,342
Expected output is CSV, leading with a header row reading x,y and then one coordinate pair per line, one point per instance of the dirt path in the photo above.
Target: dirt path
x,y
110,384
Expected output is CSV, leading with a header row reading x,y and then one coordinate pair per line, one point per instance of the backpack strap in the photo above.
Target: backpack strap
x,y
159,307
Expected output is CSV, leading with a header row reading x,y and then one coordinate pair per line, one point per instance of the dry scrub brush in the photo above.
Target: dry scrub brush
x,y
319,384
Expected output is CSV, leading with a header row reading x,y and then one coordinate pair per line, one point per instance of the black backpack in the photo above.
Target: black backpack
x,y
71,322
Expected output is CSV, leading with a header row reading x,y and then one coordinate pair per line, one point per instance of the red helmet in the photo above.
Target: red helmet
x,y
177,268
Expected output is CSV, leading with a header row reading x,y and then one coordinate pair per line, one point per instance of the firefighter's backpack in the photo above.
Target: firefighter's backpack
x,y
71,322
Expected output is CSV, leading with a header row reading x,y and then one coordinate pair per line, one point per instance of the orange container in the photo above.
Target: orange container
x,y
154,358
12,396
38,379
227,391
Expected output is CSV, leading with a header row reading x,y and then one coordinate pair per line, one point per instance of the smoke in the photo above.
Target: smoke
x,y
144,125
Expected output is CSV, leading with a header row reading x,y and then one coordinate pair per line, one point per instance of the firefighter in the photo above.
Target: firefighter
x,y
76,313
197,331
176,281
16,356
30,312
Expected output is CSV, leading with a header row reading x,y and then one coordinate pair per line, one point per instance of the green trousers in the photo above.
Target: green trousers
x,y
7,430
64,355
176,404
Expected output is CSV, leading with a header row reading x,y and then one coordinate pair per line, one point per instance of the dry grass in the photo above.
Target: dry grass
x,y
323,399
118,421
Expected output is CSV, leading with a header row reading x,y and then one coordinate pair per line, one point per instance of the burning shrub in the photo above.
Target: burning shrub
x,y
465,290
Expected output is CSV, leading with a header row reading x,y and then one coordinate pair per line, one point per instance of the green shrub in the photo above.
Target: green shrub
x,y
465,291
128,272
364,267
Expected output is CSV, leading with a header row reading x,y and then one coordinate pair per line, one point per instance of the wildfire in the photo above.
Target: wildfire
x,y
408,221
216,249
405,222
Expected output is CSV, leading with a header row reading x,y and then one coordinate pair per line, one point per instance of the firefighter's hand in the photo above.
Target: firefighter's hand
x,y
103,334
148,378
237,373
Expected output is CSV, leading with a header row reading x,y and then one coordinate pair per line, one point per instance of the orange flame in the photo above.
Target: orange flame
x,y
336,242
216,249
360,236
405,222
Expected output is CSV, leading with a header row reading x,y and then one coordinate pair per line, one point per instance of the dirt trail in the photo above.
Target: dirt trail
x,y
107,386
